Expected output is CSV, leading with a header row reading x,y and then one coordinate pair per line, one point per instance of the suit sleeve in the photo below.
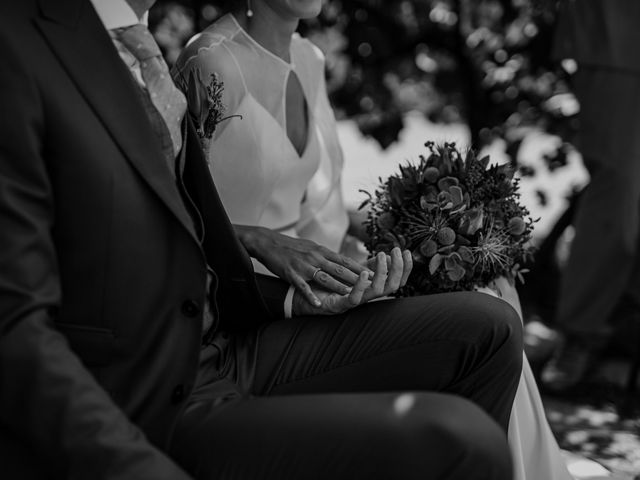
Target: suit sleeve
x,y
274,292
48,400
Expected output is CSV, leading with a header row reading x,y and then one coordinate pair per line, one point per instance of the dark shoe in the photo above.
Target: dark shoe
x,y
540,342
569,367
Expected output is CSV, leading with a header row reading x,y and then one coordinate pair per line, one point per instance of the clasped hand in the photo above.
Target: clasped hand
x,y
325,281
390,273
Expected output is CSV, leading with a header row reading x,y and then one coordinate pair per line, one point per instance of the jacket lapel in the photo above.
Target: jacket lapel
x,y
79,40
222,247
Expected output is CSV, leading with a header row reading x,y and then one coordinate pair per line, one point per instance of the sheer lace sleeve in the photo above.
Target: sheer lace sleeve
x,y
208,74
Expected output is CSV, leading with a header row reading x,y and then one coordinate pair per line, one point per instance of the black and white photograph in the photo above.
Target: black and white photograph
x,y
320,240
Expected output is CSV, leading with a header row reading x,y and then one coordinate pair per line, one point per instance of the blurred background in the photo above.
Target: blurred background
x,y
480,73
401,72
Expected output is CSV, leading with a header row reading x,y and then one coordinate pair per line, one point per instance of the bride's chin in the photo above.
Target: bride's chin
x,y
307,8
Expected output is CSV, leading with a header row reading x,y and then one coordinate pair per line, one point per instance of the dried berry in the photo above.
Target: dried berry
x,y
446,236
431,174
386,221
516,226
428,248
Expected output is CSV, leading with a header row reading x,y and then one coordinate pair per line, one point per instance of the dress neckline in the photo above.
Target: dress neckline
x,y
289,65
288,68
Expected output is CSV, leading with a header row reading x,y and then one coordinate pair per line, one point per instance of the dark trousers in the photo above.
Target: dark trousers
x,y
403,389
604,264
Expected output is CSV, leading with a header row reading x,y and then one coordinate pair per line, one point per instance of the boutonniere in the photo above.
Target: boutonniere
x,y
209,108
215,109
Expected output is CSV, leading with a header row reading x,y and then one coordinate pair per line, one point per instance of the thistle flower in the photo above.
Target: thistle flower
x,y
492,251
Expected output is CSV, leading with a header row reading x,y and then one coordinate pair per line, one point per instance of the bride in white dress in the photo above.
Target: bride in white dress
x,y
276,172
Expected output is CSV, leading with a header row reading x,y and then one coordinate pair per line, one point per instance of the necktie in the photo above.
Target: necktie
x,y
168,101
166,98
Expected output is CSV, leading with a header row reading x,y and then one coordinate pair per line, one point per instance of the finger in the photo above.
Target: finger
x,y
357,292
395,272
342,260
356,267
353,266
341,273
338,266
407,267
373,262
380,276
305,290
329,283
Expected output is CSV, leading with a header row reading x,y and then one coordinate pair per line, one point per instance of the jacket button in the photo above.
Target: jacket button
x,y
178,394
190,308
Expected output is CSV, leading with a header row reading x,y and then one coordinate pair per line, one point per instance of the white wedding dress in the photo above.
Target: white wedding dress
x,y
535,452
263,181
261,178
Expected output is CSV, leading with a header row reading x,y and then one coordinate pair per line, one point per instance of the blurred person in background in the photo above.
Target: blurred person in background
x,y
601,283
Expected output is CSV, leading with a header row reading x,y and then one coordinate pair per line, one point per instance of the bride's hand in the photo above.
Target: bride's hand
x,y
301,262
391,273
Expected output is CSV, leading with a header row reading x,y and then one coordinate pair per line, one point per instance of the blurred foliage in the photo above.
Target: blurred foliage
x,y
486,63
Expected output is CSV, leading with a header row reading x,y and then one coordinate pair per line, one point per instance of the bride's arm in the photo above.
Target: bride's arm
x,y
300,261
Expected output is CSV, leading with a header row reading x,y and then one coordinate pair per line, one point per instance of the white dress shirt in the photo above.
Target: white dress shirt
x,y
119,14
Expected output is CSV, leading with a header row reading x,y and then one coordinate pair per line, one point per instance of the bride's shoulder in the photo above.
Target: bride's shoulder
x,y
211,51
210,44
308,51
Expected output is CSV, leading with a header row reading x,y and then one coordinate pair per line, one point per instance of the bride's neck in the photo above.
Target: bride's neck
x,y
270,30
140,7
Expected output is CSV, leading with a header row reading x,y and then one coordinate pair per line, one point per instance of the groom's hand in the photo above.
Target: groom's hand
x,y
302,262
391,273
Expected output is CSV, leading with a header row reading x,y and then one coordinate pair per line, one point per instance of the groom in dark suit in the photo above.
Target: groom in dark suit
x,y
137,343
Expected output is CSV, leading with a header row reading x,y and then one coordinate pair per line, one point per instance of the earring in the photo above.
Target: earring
x,y
249,11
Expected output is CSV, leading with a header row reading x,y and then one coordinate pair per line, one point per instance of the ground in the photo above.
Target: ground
x,y
600,421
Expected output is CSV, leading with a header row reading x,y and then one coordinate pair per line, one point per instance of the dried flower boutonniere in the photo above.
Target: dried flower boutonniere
x,y
213,109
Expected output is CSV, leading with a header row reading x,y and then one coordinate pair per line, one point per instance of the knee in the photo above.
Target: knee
x,y
481,445
507,321
461,442
501,330
496,318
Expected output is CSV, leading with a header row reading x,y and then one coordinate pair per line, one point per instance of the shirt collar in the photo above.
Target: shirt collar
x,y
117,14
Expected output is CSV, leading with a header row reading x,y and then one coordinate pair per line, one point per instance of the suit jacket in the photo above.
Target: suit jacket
x,y
102,278
600,33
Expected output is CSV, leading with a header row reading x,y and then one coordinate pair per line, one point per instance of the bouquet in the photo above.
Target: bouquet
x,y
459,216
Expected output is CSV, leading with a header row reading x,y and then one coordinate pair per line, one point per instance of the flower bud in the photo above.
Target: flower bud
x,y
431,174
446,236
386,221
428,248
516,226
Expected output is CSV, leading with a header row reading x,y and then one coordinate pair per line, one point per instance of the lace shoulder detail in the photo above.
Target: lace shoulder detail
x,y
207,41
209,75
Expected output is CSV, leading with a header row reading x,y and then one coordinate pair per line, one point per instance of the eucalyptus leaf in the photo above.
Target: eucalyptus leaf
x,y
435,263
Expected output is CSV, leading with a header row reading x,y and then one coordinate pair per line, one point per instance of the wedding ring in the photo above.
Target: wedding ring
x,y
313,277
